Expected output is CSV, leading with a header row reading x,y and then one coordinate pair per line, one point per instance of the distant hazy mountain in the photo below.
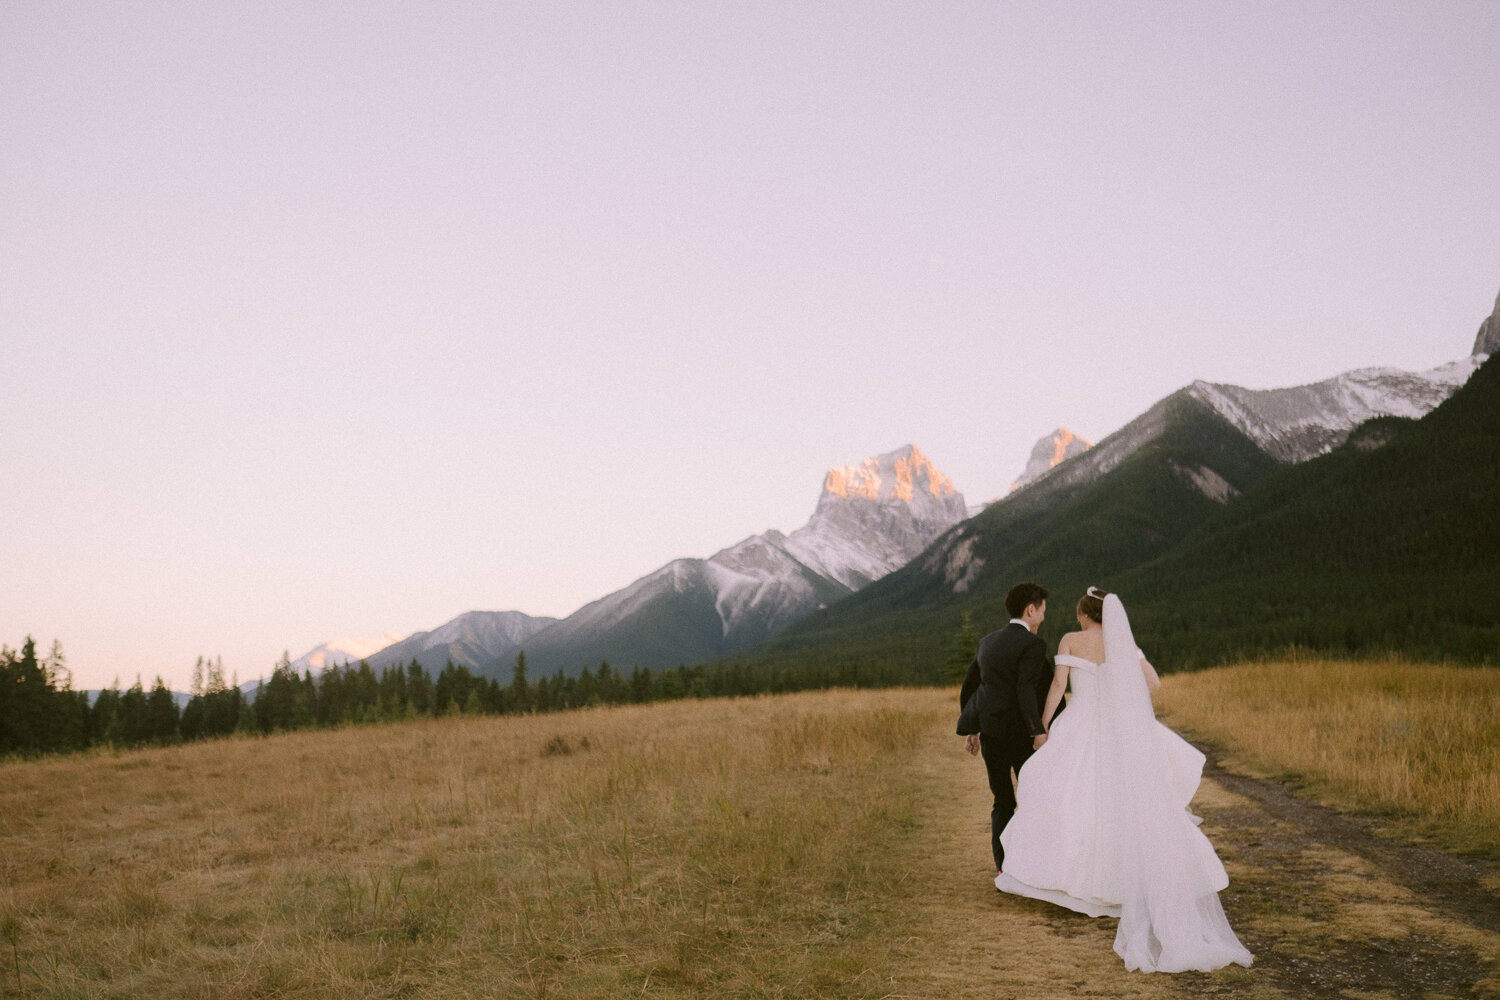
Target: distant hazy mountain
x,y
339,651
473,640
470,640
180,697
1052,450
870,518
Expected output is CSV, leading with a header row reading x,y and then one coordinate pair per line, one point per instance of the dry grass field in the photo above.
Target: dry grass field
x,y
1417,743
690,848
827,844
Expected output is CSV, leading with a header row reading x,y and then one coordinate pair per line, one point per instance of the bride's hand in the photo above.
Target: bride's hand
x,y
1038,740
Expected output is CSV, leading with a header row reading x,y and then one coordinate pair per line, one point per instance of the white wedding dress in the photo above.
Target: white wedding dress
x,y
1102,823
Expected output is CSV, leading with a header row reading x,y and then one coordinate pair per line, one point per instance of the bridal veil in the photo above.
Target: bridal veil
x,y
1170,916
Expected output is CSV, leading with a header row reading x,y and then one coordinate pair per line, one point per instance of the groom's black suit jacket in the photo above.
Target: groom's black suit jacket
x,y
1015,671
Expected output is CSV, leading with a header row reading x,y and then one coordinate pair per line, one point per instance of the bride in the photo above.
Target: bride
x,y
1102,823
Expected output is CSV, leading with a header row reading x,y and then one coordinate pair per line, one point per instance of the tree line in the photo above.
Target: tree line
x,y
41,713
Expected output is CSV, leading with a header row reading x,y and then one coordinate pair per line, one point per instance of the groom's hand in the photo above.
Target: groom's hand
x,y
971,743
1038,740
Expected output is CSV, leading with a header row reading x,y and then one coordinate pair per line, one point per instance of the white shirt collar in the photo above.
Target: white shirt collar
x,y
1017,621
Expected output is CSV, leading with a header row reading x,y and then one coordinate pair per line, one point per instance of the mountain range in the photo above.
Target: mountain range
x,y
470,640
870,518
1223,545
1076,513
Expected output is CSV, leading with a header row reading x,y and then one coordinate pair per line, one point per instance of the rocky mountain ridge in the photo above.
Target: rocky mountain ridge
x,y
878,515
1367,550
1281,426
1487,341
1049,452
1305,421
1291,425
874,517
470,640
870,519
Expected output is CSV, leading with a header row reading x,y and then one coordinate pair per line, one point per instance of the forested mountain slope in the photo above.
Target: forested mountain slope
x,y
1387,542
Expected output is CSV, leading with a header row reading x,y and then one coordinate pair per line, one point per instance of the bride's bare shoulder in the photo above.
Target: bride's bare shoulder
x,y
1066,642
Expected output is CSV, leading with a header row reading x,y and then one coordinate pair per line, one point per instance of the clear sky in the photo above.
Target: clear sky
x,y
322,320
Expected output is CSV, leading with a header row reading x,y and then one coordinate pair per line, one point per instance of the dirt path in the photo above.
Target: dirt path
x,y
1462,887
1328,908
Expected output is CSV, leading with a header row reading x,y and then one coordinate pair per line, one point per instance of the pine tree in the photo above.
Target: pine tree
x,y
161,714
56,667
418,690
305,704
104,715
134,716
520,690
392,691
585,688
193,715
249,720
965,645
25,704
215,679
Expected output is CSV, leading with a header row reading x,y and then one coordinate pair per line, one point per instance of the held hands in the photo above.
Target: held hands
x,y
1038,740
971,743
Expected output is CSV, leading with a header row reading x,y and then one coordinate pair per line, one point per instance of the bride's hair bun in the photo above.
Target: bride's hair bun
x,y
1091,605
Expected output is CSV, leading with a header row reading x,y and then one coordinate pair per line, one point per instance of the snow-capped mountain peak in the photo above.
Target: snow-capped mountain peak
x,y
331,654
1060,445
876,516
871,518
903,474
484,628
1301,422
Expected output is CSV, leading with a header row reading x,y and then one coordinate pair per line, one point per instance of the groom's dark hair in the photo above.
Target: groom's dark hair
x,y
1023,596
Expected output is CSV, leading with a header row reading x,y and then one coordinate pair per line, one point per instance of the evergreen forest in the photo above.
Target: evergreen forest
x,y
41,713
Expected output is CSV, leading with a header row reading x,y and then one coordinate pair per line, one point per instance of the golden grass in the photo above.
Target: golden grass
x,y
829,844
698,848
1416,741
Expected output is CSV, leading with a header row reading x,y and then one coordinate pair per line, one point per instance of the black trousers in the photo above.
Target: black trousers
x,y
1002,754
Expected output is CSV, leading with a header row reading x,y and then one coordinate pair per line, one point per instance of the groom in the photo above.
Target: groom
x,y
1007,684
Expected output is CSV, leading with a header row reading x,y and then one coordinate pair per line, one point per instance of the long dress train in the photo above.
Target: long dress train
x,y
1102,823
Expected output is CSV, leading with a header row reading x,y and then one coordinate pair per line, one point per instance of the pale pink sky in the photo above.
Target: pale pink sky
x,y
326,320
